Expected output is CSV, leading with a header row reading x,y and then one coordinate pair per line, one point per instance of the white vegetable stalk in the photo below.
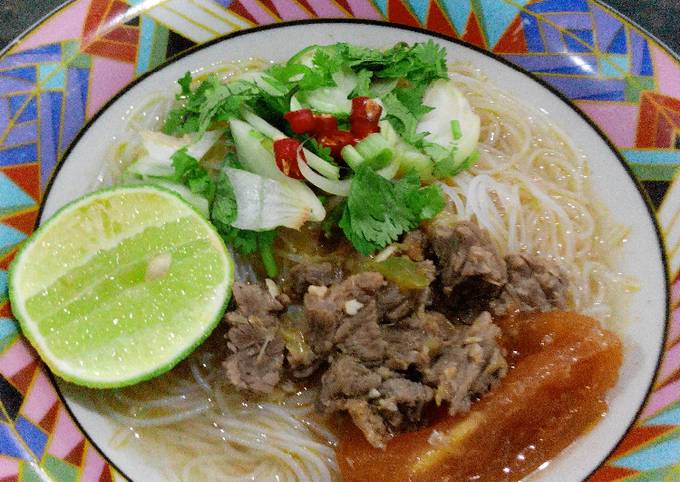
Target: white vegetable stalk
x,y
331,186
160,148
449,104
263,203
333,100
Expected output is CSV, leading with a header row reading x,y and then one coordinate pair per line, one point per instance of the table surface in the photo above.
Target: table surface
x,y
660,17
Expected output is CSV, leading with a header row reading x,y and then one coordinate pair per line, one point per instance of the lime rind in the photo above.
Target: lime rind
x,y
87,377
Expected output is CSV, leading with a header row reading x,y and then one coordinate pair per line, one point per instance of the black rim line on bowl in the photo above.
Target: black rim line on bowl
x,y
541,82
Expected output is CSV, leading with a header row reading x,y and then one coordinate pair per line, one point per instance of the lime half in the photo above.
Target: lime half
x,y
120,285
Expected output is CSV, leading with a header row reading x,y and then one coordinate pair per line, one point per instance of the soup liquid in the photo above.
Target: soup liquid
x,y
562,365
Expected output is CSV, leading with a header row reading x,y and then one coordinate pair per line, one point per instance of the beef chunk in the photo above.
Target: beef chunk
x,y
401,403
395,304
471,362
378,400
471,272
534,284
326,307
257,350
257,359
416,341
347,378
253,300
359,335
303,275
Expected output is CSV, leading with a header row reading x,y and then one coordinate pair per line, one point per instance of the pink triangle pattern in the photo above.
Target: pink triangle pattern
x,y
40,399
65,26
65,436
94,465
16,358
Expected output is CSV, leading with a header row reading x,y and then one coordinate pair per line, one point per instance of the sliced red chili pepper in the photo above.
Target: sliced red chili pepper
x,y
362,127
285,153
301,121
325,123
364,117
365,108
336,141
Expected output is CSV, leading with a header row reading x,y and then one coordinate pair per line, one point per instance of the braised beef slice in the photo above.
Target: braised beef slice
x,y
379,401
401,403
346,378
471,272
359,335
395,304
470,363
254,300
534,284
257,350
348,386
303,275
415,341
325,308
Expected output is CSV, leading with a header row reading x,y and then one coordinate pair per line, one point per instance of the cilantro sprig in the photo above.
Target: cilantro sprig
x,y
378,210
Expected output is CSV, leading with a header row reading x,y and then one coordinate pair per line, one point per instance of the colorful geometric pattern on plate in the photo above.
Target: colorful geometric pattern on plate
x,y
62,72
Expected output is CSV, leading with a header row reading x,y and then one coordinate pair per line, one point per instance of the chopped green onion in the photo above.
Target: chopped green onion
x,y
455,130
264,243
375,150
352,157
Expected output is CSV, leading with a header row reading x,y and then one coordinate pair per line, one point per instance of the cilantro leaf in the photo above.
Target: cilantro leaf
x,y
241,240
363,87
427,202
319,149
401,118
185,84
447,166
306,78
364,246
378,210
224,210
190,173
412,98
327,61
210,102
